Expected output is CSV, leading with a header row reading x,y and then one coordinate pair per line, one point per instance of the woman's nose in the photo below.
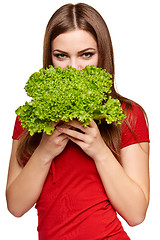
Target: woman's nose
x,y
75,64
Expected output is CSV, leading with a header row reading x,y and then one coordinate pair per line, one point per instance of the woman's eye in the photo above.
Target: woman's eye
x,y
60,55
87,54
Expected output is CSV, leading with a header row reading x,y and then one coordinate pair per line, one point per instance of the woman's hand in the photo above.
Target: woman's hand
x,y
52,145
88,138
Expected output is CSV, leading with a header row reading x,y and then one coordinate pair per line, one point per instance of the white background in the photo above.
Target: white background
x,y
134,27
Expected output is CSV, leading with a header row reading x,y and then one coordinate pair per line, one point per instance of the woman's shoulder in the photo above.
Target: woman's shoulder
x,y
132,107
135,126
134,112
18,130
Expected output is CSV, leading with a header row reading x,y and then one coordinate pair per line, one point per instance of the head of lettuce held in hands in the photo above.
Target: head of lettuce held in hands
x,y
81,165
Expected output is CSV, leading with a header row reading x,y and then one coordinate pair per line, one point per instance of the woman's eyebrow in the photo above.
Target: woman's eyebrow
x,y
87,49
84,50
58,50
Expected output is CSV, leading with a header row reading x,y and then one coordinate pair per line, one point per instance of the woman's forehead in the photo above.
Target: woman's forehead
x,y
77,39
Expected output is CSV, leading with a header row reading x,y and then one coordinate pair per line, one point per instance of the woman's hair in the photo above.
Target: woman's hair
x,y
80,16
67,18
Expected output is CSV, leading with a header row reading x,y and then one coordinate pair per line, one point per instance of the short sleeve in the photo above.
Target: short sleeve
x,y
139,130
18,130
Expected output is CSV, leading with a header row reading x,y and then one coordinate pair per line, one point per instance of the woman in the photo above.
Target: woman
x,y
80,179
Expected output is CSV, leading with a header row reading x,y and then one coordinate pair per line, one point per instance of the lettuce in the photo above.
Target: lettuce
x,y
65,94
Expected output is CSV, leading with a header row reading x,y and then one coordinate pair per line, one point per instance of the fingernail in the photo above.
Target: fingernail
x,y
59,128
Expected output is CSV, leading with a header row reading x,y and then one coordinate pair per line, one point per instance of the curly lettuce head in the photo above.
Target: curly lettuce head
x,y
65,94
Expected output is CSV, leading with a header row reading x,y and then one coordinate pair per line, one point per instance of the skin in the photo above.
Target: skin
x,y
128,192
83,52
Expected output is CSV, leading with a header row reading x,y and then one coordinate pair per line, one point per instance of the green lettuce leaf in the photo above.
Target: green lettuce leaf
x,y
65,94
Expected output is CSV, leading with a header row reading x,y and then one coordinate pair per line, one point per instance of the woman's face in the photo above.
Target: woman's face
x,y
76,48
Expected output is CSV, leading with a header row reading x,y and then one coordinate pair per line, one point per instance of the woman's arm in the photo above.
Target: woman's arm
x,y
24,185
127,182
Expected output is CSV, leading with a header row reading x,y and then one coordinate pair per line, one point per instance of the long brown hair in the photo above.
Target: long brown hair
x,y
70,17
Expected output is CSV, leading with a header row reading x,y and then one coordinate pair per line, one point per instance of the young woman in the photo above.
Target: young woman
x,y
80,179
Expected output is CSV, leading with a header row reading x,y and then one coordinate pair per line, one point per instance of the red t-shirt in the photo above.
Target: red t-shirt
x,y
73,204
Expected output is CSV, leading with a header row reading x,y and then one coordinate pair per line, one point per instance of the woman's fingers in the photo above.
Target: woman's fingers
x,y
56,125
89,138
92,124
74,130
77,125
70,132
